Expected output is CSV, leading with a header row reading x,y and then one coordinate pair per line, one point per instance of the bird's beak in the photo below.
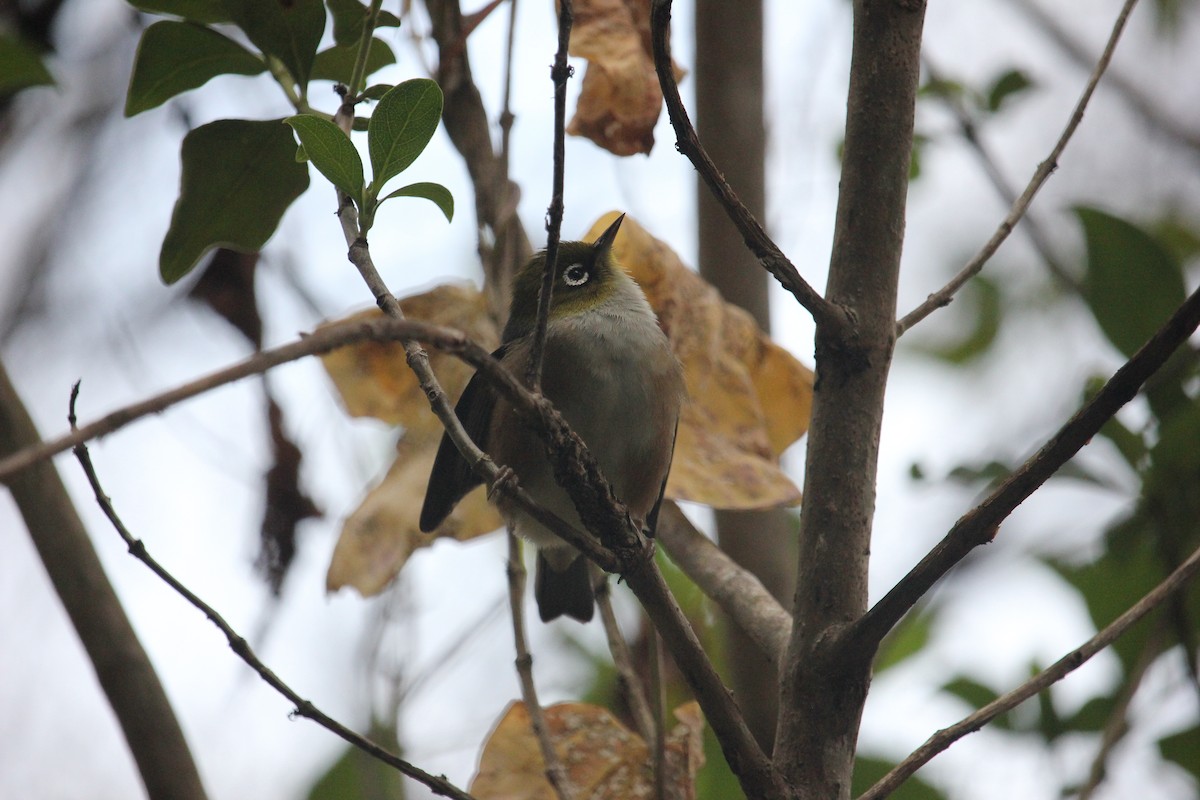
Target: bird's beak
x,y
605,240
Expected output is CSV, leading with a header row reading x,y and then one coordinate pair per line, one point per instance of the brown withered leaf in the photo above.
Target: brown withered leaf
x,y
373,380
620,99
748,398
604,760
380,535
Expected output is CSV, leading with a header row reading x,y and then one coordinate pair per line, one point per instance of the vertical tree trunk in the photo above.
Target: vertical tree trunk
x,y
122,666
825,684
729,118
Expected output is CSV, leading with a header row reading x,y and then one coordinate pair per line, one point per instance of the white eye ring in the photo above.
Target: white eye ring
x,y
576,275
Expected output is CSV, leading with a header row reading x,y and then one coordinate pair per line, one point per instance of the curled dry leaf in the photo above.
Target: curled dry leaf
x,y
748,398
604,760
620,100
373,380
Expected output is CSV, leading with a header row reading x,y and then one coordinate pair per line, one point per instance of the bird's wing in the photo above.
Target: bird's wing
x,y
452,477
652,517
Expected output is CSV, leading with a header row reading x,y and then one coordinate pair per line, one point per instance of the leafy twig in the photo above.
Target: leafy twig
x,y
980,524
241,647
943,296
1040,682
560,73
827,316
555,773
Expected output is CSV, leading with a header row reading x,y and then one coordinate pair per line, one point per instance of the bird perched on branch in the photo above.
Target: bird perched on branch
x,y
610,372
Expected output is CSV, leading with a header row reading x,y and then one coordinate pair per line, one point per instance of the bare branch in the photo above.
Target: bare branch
x,y
241,647
1040,682
970,133
555,773
560,73
735,589
943,296
1125,88
980,524
124,671
635,692
827,315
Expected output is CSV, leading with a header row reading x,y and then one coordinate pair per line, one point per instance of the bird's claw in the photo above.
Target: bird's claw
x,y
505,480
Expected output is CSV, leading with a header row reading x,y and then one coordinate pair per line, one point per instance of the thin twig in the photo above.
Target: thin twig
x,y
241,647
560,73
358,73
658,691
324,341
1118,724
981,523
1130,93
737,590
969,131
828,317
1040,682
943,296
555,772
635,691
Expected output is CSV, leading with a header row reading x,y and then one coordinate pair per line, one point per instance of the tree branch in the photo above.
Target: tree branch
x,y
735,589
828,316
1131,94
560,73
1043,680
635,691
823,688
980,525
123,669
555,773
943,296
241,647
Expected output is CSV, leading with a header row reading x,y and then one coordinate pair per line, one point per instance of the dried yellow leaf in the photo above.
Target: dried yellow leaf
x,y
748,398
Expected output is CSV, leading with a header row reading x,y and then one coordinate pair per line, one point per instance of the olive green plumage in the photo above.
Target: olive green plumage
x,y
609,370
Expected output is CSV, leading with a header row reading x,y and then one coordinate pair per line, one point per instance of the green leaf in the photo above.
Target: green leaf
x,y
175,57
1093,716
289,30
337,63
1010,83
20,66
905,640
976,694
1132,284
1183,748
434,192
869,771
208,12
376,91
349,17
403,123
331,152
239,176
986,311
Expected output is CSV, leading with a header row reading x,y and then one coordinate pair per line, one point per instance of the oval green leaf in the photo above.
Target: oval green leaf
x,y
331,152
208,12
434,192
239,176
349,16
20,66
337,63
290,30
1133,283
175,57
403,123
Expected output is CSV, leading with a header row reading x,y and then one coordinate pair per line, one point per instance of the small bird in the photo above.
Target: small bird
x,y
610,372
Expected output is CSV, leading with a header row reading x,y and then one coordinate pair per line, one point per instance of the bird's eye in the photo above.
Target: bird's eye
x,y
576,275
